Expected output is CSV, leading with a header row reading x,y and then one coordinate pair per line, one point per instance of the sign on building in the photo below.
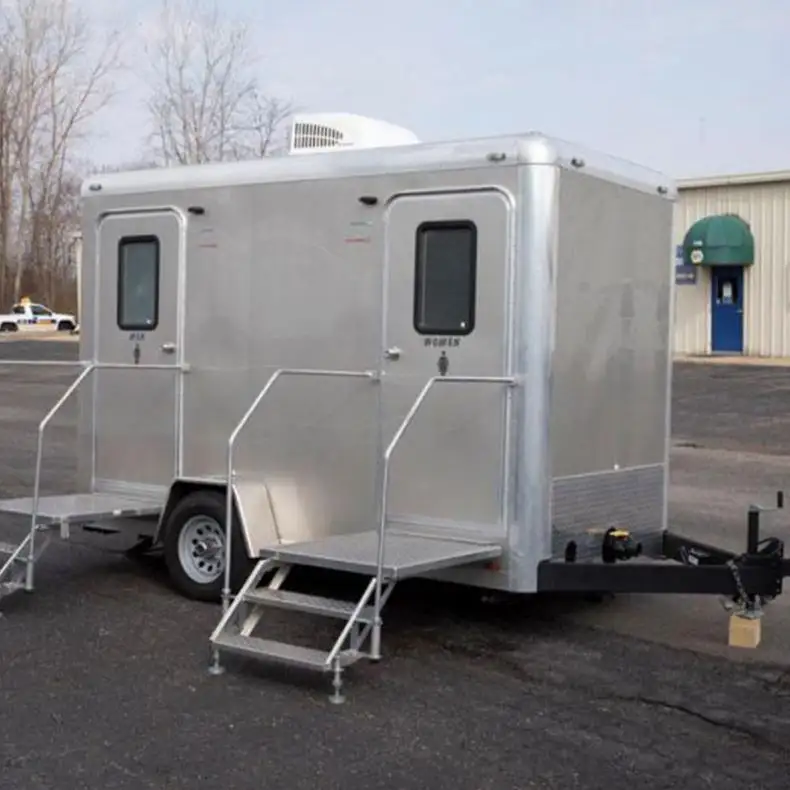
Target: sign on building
x,y
684,274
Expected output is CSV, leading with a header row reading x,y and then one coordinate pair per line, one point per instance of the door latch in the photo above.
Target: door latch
x,y
392,353
168,348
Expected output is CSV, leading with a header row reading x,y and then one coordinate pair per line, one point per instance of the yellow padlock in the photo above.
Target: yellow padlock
x,y
745,631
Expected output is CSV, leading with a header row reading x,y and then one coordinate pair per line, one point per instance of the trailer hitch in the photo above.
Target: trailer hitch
x,y
758,573
685,566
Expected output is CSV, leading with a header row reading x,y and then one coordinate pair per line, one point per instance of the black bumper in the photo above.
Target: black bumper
x,y
683,566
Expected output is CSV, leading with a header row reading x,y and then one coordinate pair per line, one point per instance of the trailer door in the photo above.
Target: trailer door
x,y
137,410
446,296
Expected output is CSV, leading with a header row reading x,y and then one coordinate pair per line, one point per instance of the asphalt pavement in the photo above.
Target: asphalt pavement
x,y
103,680
732,407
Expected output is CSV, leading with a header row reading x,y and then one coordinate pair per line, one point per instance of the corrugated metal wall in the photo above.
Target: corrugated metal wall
x,y
766,207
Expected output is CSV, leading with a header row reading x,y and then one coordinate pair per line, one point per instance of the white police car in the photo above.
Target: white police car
x,y
31,314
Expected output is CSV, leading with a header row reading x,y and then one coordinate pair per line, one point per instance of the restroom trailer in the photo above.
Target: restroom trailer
x,y
447,360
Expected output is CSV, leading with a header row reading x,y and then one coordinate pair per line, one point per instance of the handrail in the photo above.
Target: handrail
x,y
52,363
350,623
407,420
89,367
368,374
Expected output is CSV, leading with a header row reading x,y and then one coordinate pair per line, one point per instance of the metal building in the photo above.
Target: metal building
x,y
732,236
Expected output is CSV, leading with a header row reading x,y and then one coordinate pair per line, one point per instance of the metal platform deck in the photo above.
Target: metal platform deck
x,y
82,508
406,554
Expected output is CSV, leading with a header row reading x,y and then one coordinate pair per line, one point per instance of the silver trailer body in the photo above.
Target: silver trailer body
x,y
448,360
506,257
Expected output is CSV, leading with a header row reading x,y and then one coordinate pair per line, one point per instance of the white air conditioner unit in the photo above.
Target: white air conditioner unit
x,y
313,132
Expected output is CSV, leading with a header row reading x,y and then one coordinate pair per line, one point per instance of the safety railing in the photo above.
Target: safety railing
x,y
350,625
88,369
383,501
273,379
42,426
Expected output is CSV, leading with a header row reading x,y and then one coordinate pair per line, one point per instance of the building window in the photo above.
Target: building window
x,y
445,278
138,283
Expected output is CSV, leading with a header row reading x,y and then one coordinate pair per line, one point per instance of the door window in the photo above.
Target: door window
x,y
445,278
727,290
138,283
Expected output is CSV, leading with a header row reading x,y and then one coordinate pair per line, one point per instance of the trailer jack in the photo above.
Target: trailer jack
x,y
747,581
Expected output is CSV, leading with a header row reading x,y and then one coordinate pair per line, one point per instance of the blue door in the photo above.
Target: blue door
x,y
727,309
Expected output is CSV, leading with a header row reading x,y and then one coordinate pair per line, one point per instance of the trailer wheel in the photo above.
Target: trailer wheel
x,y
194,547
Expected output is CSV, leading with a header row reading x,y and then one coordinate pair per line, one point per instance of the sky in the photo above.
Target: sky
x,y
690,87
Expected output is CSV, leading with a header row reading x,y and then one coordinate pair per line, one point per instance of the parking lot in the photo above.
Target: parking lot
x,y
103,680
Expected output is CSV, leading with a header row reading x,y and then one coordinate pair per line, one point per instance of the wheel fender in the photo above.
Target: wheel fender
x,y
178,490
252,508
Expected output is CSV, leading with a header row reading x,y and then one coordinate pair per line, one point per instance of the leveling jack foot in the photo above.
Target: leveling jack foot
x,y
215,668
337,698
375,641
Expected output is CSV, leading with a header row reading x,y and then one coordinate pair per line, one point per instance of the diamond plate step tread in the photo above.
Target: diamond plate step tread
x,y
79,508
311,604
405,553
294,655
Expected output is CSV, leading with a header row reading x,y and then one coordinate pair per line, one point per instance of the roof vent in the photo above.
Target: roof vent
x,y
311,132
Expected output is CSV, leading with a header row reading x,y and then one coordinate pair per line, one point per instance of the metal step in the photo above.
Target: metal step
x,y
294,655
405,554
312,604
82,508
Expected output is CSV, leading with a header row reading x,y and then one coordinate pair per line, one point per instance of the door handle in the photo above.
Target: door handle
x,y
392,353
168,348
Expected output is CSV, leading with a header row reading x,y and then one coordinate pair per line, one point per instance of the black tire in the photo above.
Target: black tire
x,y
65,326
9,327
211,506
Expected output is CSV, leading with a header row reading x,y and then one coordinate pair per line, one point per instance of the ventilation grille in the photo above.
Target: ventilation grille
x,y
314,135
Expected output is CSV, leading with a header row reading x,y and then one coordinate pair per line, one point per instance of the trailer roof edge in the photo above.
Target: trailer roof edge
x,y
531,148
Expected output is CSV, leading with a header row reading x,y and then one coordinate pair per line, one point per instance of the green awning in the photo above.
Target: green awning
x,y
719,240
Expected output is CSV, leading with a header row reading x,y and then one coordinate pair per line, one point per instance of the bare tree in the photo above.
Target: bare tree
x,y
56,70
57,77
206,103
262,132
9,97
